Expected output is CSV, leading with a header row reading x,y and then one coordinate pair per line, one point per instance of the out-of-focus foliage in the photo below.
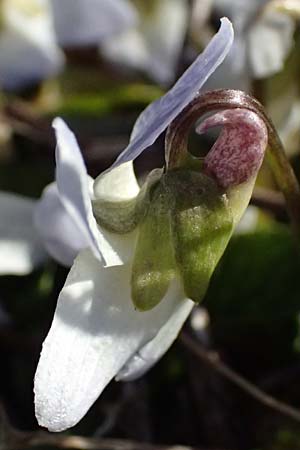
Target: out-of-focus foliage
x,y
251,311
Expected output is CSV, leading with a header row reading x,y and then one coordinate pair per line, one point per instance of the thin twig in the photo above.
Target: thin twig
x,y
84,443
13,439
272,201
213,359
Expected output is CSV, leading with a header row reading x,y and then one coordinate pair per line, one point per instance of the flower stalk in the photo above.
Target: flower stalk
x,y
225,99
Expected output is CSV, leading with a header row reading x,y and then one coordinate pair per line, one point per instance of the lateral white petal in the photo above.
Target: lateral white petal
x,y
148,355
20,248
74,190
61,237
86,22
159,114
94,332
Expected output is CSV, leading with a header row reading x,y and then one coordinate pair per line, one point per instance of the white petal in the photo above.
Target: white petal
x,y
28,50
290,129
157,116
249,221
74,190
119,184
20,248
270,40
86,22
94,332
148,355
58,231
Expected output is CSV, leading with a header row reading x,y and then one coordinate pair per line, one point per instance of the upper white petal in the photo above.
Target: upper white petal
x,y
86,22
94,332
157,116
21,249
58,231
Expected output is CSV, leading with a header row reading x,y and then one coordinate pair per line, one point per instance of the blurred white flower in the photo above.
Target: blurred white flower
x,y
263,39
21,249
31,230
154,45
86,22
96,333
28,49
31,32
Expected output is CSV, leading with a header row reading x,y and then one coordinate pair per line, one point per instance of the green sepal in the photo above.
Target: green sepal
x,y
153,264
202,224
184,233
123,216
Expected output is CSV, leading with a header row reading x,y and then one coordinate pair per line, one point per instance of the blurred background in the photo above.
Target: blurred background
x,y
98,64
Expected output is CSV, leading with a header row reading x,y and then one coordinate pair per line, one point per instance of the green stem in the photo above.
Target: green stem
x,y
178,133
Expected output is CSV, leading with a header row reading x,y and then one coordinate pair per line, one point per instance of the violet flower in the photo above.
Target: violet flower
x,y
102,329
96,333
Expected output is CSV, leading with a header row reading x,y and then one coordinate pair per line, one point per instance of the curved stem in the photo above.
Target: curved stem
x,y
212,358
179,129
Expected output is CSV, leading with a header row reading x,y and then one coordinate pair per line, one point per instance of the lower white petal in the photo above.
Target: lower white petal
x,y
148,355
20,247
94,332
